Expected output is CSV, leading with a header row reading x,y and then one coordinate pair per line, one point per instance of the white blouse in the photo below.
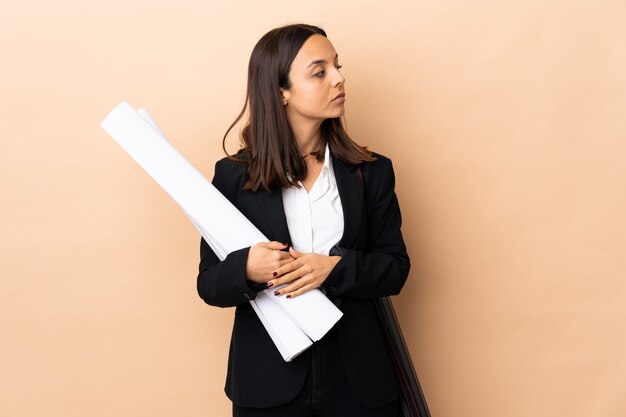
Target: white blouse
x,y
315,218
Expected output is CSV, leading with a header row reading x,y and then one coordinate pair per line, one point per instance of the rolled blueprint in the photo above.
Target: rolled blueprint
x,y
286,335
292,323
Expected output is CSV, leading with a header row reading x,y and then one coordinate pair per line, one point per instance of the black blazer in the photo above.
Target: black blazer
x,y
374,263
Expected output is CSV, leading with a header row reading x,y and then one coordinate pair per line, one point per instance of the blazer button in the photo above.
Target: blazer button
x,y
333,290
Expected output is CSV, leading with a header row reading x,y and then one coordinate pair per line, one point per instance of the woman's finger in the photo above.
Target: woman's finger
x,y
283,262
288,267
301,290
273,245
293,286
288,277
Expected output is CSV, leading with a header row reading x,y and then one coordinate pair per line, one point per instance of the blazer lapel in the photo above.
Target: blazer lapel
x,y
350,188
272,206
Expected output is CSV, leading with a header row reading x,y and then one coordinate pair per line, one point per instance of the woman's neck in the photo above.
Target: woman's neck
x,y
308,135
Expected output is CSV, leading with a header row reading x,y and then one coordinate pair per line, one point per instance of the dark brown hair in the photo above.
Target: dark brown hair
x,y
267,138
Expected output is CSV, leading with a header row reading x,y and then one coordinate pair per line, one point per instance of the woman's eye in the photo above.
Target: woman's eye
x,y
323,72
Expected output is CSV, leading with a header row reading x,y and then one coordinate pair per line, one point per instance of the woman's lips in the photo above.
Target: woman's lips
x,y
340,98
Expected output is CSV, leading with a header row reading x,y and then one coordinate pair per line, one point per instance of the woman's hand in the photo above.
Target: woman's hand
x,y
264,258
305,272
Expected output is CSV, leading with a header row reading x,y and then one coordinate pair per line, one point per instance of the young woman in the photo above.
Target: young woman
x,y
329,208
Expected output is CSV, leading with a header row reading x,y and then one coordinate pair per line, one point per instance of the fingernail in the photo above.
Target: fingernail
x,y
276,292
270,284
284,244
274,273
288,295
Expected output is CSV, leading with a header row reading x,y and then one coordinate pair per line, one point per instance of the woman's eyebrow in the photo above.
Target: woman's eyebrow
x,y
320,61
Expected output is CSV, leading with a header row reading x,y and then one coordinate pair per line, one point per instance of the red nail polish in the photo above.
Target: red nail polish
x,y
274,273
270,284
276,292
288,295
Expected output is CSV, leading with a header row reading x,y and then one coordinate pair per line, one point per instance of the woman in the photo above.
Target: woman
x,y
329,208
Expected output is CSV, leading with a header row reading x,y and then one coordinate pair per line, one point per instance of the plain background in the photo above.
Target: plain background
x,y
505,123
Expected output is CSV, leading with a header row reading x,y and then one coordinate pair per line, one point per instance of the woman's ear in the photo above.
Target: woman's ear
x,y
285,96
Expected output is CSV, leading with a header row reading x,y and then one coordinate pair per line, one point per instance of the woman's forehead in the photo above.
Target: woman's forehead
x,y
315,50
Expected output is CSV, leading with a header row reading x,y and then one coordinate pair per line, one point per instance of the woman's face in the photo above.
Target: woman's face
x,y
315,82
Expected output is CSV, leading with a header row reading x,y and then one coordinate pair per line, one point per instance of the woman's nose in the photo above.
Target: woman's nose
x,y
339,78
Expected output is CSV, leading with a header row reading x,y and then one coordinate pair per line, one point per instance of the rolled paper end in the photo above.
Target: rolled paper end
x,y
124,106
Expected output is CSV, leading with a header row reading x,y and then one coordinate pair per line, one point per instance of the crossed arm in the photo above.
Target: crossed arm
x,y
380,270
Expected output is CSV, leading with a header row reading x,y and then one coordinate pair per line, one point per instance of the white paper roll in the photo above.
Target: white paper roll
x,y
224,228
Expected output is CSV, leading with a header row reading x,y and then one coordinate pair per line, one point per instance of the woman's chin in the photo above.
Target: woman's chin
x,y
337,113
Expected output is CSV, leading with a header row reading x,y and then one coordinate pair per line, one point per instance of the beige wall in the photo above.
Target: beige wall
x,y
505,122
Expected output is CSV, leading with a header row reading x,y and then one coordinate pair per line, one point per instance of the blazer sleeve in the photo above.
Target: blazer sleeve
x,y
383,268
224,283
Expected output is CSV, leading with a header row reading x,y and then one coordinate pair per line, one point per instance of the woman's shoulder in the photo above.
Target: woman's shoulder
x,y
378,174
380,158
237,163
230,174
379,165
